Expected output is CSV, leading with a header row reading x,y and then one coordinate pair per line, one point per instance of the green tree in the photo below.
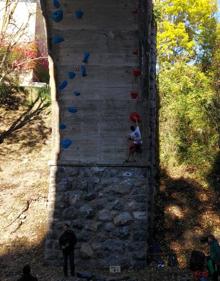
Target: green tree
x,y
188,75
187,133
186,29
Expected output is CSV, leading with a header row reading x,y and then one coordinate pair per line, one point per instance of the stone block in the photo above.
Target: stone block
x,y
109,227
86,251
113,245
87,211
70,213
123,219
104,215
140,215
90,196
121,232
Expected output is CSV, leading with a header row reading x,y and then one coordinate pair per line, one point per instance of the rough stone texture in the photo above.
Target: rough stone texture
x,y
111,228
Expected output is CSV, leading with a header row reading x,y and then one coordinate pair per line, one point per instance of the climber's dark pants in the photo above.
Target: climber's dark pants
x,y
68,257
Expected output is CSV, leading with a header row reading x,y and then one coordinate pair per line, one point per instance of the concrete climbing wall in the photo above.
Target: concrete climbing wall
x,y
102,71
108,31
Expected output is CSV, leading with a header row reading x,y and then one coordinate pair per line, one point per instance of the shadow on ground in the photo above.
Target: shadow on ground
x,y
185,211
13,260
30,137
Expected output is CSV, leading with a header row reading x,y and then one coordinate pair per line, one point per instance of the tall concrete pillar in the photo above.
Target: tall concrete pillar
x,y
94,71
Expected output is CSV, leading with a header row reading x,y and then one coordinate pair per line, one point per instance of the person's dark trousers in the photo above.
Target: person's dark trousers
x,y
69,257
216,274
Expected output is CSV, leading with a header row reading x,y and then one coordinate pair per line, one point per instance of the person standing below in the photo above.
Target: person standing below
x,y
135,139
67,242
214,251
26,276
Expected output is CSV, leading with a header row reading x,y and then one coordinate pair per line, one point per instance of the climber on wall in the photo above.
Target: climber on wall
x,y
135,142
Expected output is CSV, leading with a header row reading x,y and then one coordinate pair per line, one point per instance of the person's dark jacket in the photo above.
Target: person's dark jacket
x,y
215,251
67,241
197,261
27,277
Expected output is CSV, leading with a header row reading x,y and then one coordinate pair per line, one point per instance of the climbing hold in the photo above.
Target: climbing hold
x,y
62,126
134,95
71,75
76,93
72,109
63,85
66,143
83,70
56,3
57,39
136,72
135,12
135,117
57,16
79,14
86,57
135,52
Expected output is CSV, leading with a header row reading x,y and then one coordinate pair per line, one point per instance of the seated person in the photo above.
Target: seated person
x,y
27,276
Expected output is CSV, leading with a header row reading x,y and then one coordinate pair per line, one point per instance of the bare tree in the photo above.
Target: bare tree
x,y
13,60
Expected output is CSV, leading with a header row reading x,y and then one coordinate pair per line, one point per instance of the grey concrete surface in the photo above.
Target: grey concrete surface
x,y
109,31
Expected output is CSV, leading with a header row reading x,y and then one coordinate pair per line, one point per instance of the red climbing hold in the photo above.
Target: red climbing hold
x,y
134,95
135,12
135,117
135,52
136,72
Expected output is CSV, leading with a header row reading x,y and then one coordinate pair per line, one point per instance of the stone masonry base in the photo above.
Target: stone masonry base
x,y
107,207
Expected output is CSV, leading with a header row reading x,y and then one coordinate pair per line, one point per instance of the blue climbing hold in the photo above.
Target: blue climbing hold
x,y
62,126
76,93
57,16
72,109
79,14
66,143
57,39
71,75
86,57
56,3
83,70
63,85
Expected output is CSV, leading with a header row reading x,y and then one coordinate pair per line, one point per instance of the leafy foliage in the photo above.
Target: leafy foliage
x,y
186,29
188,134
188,76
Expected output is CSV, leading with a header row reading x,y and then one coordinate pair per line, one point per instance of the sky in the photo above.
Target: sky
x,y
218,14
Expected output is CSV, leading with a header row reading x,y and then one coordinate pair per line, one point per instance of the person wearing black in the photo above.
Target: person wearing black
x,y
214,252
67,242
213,261
26,276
